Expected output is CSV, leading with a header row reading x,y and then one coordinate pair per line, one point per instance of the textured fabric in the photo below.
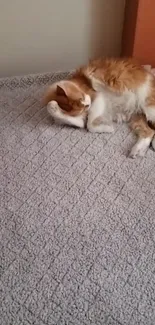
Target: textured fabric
x,y
77,219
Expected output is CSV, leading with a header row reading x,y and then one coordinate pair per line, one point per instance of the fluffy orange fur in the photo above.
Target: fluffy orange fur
x,y
116,73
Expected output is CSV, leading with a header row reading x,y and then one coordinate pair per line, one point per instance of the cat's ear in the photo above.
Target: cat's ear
x,y
61,91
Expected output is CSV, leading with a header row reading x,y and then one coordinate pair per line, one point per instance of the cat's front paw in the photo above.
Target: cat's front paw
x,y
52,107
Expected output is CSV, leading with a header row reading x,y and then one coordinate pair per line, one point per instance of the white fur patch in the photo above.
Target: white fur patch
x,y
86,101
140,148
150,113
97,110
102,128
143,92
53,107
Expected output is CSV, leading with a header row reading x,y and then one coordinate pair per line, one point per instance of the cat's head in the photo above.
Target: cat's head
x,y
71,99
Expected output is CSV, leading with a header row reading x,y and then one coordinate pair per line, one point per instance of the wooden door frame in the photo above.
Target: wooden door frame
x,y
139,31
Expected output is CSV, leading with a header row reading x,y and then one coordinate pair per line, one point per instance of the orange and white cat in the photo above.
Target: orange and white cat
x,y
104,91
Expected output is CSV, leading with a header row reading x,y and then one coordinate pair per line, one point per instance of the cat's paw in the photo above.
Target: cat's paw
x,y
52,107
137,152
140,148
100,128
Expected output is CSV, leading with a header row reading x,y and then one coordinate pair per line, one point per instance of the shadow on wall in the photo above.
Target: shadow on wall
x,y
106,27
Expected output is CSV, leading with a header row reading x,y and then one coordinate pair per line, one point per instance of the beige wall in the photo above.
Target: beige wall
x,y
51,35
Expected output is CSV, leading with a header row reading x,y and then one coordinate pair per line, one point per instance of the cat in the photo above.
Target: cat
x,y
102,92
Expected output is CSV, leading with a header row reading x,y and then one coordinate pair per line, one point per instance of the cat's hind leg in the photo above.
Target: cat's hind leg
x,y
150,113
98,117
145,135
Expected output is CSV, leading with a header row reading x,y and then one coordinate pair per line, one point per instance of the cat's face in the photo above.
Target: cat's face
x,y
72,101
